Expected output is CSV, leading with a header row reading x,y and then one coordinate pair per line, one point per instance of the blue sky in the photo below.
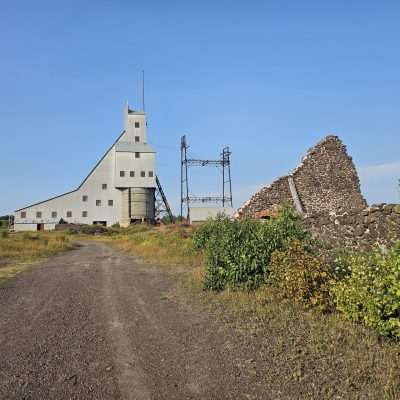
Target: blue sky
x,y
267,78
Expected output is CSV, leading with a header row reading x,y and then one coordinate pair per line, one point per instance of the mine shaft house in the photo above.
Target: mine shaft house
x,y
119,189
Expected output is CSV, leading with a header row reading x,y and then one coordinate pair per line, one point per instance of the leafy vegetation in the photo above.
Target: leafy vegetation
x,y
301,274
239,252
371,292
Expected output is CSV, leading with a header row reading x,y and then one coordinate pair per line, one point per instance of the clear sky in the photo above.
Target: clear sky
x,y
267,78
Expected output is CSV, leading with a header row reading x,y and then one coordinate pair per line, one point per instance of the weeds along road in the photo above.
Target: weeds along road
x,y
93,324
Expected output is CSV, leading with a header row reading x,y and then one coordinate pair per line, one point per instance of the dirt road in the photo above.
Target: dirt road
x,y
94,324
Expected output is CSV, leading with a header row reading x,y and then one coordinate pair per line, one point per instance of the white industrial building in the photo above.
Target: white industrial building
x,y
119,189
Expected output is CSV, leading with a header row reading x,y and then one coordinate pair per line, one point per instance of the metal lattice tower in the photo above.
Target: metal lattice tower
x,y
224,162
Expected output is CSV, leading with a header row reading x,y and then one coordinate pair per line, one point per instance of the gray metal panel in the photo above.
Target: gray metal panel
x,y
202,213
133,147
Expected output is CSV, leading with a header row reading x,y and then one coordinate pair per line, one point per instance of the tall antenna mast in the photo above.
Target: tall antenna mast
x,y
143,106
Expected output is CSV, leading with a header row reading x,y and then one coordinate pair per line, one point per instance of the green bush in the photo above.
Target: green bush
x,y
300,274
339,262
210,230
371,292
238,252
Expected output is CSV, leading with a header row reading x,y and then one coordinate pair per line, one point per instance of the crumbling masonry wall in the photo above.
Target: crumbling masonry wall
x,y
328,187
376,224
326,182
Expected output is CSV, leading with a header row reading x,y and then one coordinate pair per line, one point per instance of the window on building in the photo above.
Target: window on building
x,y
69,214
137,155
137,139
84,198
54,214
38,214
23,214
110,202
84,214
150,174
104,186
132,174
121,174
143,174
98,202
137,124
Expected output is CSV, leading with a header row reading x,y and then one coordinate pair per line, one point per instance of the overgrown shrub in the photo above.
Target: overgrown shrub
x,y
213,228
371,293
238,252
339,262
300,274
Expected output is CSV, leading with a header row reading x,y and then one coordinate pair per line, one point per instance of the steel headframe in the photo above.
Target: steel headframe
x,y
186,162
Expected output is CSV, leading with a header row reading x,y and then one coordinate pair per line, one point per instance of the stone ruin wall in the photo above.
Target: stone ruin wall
x,y
376,224
326,179
328,188
276,193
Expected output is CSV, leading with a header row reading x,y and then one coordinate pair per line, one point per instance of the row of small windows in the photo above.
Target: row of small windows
x,y
150,174
68,213
98,202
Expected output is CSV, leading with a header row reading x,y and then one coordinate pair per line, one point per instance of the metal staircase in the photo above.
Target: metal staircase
x,y
162,205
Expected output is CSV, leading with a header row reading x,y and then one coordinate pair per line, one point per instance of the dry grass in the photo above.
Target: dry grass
x,y
170,245
21,250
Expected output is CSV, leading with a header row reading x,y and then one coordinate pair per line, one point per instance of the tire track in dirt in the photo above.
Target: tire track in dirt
x,y
94,324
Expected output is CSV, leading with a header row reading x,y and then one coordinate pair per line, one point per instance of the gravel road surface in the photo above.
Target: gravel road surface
x,y
92,323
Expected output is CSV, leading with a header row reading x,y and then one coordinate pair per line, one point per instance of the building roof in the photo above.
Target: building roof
x,y
87,177
130,111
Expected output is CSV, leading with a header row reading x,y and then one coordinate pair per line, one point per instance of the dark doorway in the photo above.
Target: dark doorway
x,y
102,223
40,227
